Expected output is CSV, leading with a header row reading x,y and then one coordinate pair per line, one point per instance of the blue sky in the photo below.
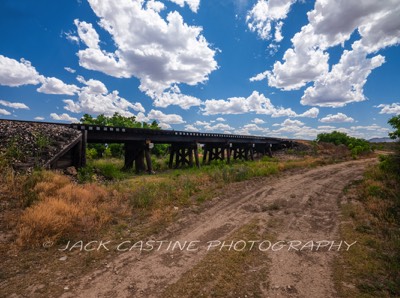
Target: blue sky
x,y
282,68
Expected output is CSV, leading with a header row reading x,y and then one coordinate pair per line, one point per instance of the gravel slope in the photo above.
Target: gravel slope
x,y
29,144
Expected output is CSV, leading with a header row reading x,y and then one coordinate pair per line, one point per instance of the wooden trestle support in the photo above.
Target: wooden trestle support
x,y
187,154
138,152
184,154
214,151
230,150
236,151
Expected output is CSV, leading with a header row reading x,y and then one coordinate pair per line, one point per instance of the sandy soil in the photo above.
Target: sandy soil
x,y
304,203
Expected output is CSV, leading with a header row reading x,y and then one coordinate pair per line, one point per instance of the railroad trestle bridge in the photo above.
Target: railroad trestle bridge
x,y
183,150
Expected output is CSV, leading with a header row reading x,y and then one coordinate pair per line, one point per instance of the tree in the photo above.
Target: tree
x,y
391,163
117,150
116,120
395,123
356,146
335,137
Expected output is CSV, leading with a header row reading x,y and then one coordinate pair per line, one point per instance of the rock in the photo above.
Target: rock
x,y
64,258
71,171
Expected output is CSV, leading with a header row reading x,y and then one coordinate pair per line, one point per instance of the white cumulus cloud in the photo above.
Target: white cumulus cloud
x,y
159,52
251,129
14,105
15,73
4,112
193,4
56,86
332,23
218,127
191,127
165,118
87,34
267,14
311,113
258,121
259,77
338,118
256,103
63,117
94,98
174,97
393,108
70,70
344,83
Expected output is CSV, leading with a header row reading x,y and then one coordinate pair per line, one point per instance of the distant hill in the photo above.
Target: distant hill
x,y
381,140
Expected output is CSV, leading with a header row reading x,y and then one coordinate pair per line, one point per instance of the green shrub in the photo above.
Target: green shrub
x,y
85,174
357,146
107,153
116,150
110,170
91,153
13,150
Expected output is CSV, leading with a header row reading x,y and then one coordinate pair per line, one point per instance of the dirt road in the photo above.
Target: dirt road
x,y
305,204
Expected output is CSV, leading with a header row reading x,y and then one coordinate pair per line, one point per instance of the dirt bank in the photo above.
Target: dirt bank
x,y
30,144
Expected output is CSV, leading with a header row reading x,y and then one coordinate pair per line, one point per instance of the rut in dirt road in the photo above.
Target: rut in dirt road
x,y
306,206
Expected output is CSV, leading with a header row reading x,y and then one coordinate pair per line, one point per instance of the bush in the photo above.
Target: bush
x,y
110,170
85,174
91,153
107,153
160,150
116,150
357,146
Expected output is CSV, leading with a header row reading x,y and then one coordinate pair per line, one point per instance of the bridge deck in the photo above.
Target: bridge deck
x,y
109,134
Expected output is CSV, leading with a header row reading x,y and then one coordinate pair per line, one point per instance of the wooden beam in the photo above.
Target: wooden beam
x,y
171,156
205,152
190,152
148,160
139,160
228,155
196,156
83,148
53,161
129,156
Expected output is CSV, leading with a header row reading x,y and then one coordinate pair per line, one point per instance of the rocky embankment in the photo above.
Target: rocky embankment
x,y
25,145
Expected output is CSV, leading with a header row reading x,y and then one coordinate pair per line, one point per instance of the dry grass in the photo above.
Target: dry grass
x,y
372,218
65,211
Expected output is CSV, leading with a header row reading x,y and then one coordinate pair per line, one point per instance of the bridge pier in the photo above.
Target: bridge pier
x,y
243,151
215,151
184,154
263,149
137,152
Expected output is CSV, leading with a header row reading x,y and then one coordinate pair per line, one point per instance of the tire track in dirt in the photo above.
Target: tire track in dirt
x,y
307,206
